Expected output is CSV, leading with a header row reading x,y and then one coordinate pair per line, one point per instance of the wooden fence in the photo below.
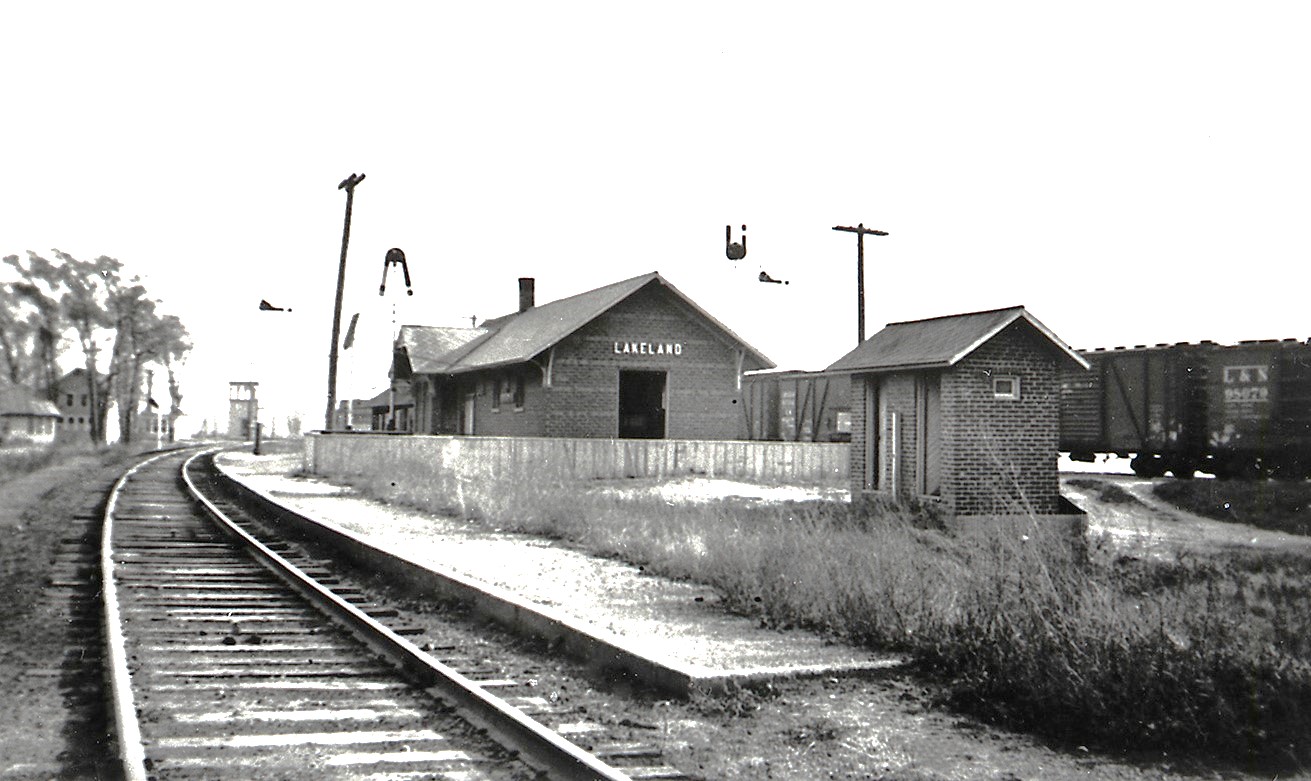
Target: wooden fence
x,y
787,463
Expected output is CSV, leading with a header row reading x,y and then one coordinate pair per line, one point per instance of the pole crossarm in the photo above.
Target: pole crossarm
x,y
861,231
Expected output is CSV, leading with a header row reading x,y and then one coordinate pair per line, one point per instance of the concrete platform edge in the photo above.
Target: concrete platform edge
x,y
604,655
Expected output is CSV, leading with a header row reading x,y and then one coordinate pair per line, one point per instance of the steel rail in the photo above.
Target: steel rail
x,y
541,748
131,754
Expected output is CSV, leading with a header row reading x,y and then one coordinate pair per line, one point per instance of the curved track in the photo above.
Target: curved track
x,y
223,663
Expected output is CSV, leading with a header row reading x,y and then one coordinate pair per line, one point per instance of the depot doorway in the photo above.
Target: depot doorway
x,y
642,404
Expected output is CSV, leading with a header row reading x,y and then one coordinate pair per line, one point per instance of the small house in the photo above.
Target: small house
x,y
392,409
961,410
26,419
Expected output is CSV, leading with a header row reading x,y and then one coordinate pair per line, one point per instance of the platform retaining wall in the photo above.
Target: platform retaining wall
x,y
785,463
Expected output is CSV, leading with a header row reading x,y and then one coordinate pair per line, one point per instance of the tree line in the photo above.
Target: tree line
x,y
94,307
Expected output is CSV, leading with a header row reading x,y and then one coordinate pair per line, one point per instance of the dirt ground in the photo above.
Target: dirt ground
x,y
45,734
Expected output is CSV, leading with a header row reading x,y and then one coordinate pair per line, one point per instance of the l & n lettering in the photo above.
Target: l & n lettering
x,y
647,348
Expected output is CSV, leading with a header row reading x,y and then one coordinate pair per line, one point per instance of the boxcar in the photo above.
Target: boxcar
x,y
1234,411
1259,403
794,406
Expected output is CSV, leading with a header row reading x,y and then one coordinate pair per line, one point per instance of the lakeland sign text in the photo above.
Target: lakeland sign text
x,y
647,348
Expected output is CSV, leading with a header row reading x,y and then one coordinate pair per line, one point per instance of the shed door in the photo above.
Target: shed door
x,y
873,427
887,440
930,434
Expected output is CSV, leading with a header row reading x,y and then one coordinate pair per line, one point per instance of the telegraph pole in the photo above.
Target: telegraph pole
x,y
347,184
860,231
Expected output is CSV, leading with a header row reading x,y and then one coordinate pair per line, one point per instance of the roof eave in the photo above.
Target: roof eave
x,y
892,368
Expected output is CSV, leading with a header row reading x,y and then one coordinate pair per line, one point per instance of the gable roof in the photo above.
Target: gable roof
x,y
941,342
432,349
385,398
519,337
76,377
16,400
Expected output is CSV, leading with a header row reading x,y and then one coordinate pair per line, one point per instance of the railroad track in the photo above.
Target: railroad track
x,y
227,660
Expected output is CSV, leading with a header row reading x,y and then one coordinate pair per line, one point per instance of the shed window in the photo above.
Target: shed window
x,y
1006,387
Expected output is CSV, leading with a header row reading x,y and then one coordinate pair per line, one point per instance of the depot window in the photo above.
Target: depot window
x,y
1006,388
507,390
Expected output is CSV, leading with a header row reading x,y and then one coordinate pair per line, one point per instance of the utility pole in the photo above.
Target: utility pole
x,y
860,231
347,184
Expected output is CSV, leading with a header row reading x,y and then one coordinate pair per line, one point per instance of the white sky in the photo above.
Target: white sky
x,y
1132,172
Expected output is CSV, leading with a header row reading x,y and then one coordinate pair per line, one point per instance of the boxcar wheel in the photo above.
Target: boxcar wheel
x,y
1146,465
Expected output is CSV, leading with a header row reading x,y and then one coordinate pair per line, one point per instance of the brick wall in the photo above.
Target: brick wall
x,y
860,400
504,420
1000,454
701,382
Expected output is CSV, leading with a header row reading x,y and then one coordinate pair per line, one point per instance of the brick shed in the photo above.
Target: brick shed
x,y
633,359
962,409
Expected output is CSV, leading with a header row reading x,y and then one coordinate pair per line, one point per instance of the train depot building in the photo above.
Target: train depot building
x,y
962,410
634,359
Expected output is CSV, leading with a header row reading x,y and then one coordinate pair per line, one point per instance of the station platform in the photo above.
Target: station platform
x,y
673,634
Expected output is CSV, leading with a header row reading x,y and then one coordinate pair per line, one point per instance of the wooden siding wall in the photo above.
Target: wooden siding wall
x,y
794,463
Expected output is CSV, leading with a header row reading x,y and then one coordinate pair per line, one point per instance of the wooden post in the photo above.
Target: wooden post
x,y
860,231
348,184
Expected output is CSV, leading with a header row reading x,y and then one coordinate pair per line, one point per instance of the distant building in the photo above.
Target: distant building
x,y
961,409
243,410
353,415
152,422
634,359
73,400
393,409
25,418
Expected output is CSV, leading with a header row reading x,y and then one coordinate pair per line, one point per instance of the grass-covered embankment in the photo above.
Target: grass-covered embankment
x,y
1266,504
1206,655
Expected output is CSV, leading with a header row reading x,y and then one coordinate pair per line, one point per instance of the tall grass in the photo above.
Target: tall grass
x,y
16,461
1080,644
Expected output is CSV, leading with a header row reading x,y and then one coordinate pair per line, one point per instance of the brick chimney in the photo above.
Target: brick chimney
x,y
526,293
